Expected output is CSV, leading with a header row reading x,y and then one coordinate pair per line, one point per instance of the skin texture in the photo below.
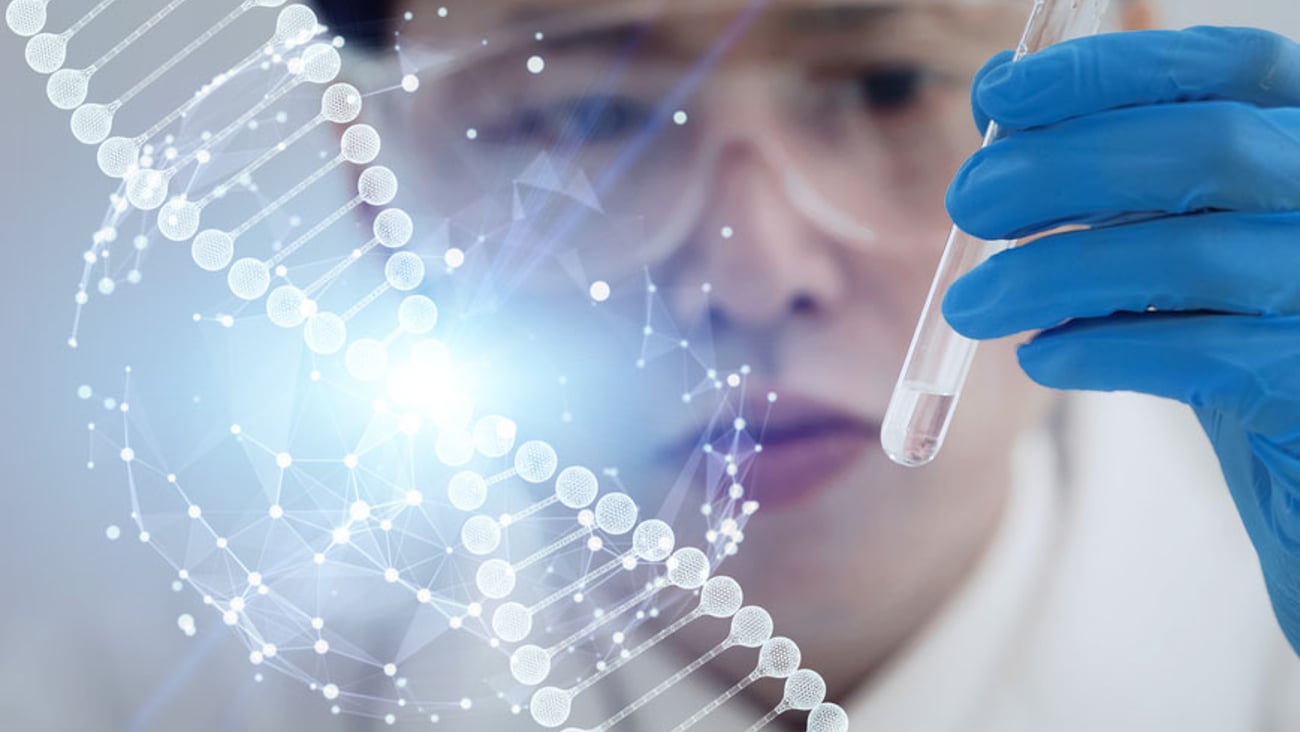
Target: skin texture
x,y
864,558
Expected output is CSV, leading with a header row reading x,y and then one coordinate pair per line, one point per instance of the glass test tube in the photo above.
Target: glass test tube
x,y
939,360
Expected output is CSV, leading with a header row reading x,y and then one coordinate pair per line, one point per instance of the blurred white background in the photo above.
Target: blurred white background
x,y
65,587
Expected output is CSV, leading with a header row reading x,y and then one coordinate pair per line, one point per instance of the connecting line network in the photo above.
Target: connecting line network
x,y
517,582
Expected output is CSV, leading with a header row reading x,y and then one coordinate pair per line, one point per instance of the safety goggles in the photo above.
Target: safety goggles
x,y
605,141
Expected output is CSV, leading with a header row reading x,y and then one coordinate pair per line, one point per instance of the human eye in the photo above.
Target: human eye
x,y
894,88
588,120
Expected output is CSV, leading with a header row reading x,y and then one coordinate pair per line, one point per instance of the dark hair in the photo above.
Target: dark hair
x,y
364,23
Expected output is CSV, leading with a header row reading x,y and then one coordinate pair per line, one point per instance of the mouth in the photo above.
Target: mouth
x,y
796,452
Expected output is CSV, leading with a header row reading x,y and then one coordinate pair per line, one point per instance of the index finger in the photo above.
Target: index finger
x,y
1111,71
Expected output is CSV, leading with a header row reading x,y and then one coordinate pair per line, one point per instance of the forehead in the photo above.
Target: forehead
x,y
483,16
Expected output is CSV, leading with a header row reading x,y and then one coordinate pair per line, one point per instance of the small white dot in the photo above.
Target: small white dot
x,y
536,64
600,291
679,117
410,83
359,511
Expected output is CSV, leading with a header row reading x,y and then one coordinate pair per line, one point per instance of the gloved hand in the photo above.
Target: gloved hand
x,y
1201,128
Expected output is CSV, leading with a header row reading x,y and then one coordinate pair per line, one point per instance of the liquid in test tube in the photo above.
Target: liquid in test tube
x,y
939,359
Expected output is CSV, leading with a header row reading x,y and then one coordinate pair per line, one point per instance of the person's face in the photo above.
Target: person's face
x,y
792,215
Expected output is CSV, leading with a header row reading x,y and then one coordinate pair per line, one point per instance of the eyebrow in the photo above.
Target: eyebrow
x,y
597,38
619,34
839,17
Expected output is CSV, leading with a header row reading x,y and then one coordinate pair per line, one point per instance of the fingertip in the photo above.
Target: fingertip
x,y
995,65
1026,93
969,306
963,197
959,308
1035,358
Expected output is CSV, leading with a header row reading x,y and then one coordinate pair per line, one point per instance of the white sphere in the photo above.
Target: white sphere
x,y
688,568
179,219
653,540
26,17
92,123
341,103
377,186
212,250
394,228
295,25
248,278
325,333
778,658
495,578
285,306
454,448
530,665
494,436
536,461
321,63
360,144
616,514
512,622
721,597
828,717
117,156
147,189
417,315
46,53
550,706
404,271
804,689
467,491
576,487
481,535
751,627
366,359
67,88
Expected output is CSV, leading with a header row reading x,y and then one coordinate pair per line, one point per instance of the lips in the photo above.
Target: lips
x,y
805,444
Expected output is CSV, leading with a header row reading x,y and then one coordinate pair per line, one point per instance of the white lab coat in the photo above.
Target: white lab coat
x,y
1126,599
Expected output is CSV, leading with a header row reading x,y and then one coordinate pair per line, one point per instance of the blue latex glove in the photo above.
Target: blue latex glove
x,y
1202,126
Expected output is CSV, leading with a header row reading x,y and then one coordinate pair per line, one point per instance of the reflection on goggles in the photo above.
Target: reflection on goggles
x,y
621,144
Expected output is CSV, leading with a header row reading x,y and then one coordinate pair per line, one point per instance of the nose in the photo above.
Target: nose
x,y
756,258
